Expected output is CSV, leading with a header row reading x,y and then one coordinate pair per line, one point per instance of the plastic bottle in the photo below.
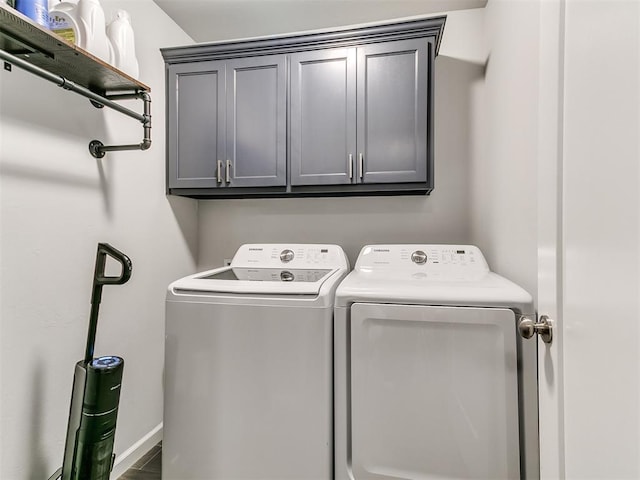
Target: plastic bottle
x,y
64,21
94,40
120,33
36,10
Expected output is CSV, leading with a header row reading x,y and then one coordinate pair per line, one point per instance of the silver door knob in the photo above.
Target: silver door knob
x,y
528,327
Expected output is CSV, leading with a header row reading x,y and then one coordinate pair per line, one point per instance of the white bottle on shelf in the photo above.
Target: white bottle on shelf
x,y
120,34
95,39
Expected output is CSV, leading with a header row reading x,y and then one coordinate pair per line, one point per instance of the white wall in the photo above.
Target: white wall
x,y
503,169
227,19
355,221
56,203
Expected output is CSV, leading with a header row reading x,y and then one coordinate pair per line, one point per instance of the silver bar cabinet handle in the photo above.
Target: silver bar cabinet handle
x,y
361,166
350,166
228,171
219,172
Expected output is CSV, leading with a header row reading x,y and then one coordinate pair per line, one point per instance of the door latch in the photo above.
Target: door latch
x,y
544,328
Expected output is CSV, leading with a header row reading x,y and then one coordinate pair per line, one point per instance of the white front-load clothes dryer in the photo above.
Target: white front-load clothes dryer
x,y
248,366
432,380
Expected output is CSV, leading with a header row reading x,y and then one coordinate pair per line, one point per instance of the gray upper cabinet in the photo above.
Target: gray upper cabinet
x,y
360,122
227,123
323,116
195,124
342,112
392,112
256,122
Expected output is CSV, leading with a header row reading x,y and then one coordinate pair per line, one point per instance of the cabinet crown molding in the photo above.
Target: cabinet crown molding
x,y
295,42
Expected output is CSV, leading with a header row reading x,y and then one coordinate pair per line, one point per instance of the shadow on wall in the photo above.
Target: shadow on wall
x,y
42,105
23,169
46,133
185,211
459,113
37,461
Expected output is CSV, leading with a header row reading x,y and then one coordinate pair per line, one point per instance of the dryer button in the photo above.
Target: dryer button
x,y
286,256
419,257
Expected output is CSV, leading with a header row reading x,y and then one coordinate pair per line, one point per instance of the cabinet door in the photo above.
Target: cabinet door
x,y
393,88
323,116
256,121
195,95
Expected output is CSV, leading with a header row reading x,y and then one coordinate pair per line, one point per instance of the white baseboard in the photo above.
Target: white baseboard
x,y
126,459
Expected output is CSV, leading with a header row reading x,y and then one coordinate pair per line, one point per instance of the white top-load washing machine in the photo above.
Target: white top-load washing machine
x,y
248,366
432,380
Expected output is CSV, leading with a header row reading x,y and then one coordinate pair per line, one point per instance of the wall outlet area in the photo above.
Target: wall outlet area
x,y
227,262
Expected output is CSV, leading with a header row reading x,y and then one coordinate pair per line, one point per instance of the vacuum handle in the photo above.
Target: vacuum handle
x,y
100,279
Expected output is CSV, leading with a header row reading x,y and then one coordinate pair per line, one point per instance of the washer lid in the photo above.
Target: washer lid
x,y
267,275
268,269
263,281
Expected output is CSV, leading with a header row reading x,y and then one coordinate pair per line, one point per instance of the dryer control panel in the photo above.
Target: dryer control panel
x,y
422,257
290,256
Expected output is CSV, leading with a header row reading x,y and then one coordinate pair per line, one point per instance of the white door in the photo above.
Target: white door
x,y
434,393
589,239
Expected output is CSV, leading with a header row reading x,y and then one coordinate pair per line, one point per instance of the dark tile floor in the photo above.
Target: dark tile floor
x,y
149,467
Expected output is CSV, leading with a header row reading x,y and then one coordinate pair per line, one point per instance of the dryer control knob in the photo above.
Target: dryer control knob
x,y
287,276
286,255
419,257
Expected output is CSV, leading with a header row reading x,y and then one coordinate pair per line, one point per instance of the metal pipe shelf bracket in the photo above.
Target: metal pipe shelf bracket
x,y
96,147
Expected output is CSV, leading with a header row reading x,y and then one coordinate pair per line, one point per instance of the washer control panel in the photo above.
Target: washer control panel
x,y
289,256
425,257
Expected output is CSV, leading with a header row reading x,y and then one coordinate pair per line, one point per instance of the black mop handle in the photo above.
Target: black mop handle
x,y
99,279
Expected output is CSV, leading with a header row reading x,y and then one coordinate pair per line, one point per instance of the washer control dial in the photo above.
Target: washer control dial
x,y
286,255
419,257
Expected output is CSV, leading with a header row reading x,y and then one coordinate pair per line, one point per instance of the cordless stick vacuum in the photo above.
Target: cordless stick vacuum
x,y
88,451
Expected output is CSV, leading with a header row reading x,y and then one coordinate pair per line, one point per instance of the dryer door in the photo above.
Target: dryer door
x,y
434,392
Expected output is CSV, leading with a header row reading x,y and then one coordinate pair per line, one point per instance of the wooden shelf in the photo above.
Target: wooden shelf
x,y
23,38
33,48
